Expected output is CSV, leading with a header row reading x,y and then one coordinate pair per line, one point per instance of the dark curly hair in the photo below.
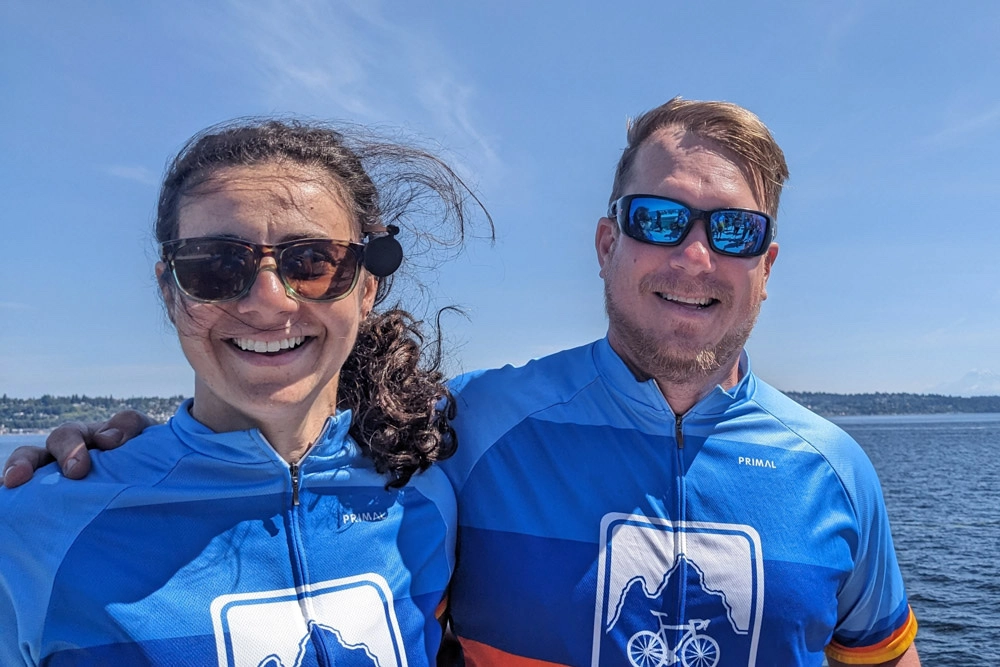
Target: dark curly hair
x,y
392,379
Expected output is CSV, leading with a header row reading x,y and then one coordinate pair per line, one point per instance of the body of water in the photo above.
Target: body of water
x,y
941,479
9,443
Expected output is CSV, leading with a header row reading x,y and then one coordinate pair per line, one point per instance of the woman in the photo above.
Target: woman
x,y
289,513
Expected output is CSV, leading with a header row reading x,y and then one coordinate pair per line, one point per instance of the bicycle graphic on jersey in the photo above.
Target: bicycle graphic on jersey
x,y
652,649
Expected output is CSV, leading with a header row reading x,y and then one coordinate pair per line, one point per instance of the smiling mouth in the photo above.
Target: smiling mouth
x,y
693,302
268,346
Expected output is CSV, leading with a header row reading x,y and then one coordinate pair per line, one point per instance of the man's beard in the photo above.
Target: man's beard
x,y
647,355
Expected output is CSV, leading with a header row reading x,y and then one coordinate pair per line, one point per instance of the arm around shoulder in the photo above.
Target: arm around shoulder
x,y
68,445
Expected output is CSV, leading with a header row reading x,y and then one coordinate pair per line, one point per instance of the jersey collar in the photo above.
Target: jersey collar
x,y
250,446
646,392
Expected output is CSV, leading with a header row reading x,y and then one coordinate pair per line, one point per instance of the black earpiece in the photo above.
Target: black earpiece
x,y
384,254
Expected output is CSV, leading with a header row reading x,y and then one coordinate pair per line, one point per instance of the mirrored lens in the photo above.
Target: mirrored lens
x,y
735,232
657,220
740,233
322,270
214,270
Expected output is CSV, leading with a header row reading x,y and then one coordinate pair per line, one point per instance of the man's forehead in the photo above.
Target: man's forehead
x,y
678,145
674,159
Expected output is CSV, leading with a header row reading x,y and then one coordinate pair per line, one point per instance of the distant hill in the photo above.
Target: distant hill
x,y
838,405
21,415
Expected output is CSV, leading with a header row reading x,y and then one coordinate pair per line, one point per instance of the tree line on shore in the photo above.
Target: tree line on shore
x,y
839,405
26,415
23,415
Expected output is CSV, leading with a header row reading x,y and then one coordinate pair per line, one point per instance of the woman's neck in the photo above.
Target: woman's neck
x,y
290,429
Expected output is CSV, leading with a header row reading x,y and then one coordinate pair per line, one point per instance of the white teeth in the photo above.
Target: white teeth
x,y
687,300
250,345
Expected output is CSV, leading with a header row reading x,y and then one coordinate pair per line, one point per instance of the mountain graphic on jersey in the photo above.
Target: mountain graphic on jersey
x,y
333,647
351,622
677,593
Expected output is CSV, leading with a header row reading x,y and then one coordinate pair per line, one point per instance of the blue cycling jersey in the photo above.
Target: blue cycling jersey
x,y
189,547
598,528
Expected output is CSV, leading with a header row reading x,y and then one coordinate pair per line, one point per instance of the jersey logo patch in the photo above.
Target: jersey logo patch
x,y
682,593
351,619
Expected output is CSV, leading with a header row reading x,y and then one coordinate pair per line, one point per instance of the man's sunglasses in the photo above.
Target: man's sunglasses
x,y
213,269
731,231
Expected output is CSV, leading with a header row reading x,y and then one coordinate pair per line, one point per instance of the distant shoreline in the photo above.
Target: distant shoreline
x,y
38,416
861,405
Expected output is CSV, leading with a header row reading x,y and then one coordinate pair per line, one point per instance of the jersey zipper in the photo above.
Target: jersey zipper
x,y
680,544
297,556
294,470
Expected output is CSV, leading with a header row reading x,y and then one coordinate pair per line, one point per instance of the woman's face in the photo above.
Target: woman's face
x,y
237,387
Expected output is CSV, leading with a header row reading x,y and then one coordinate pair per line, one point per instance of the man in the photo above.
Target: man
x,y
645,500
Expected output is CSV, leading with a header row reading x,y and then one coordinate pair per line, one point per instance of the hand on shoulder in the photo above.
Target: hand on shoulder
x,y
68,444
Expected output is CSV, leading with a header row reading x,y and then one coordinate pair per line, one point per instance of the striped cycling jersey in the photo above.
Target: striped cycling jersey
x,y
598,528
189,547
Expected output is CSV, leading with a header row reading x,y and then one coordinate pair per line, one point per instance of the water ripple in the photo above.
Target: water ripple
x,y
940,484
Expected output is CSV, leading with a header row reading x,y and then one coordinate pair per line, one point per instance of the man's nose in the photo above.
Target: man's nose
x,y
694,255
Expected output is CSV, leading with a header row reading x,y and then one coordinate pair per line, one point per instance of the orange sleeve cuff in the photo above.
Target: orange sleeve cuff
x,y
483,655
886,650
441,608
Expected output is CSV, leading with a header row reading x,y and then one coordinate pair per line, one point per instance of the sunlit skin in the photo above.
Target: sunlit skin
x,y
687,349
290,394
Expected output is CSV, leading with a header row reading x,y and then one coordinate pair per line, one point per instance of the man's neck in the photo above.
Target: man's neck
x,y
682,395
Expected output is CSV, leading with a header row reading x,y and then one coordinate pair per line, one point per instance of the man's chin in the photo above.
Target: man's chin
x,y
667,361
676,369
677,356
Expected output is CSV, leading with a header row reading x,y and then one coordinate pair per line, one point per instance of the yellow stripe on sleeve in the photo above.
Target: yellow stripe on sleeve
x,y
886,650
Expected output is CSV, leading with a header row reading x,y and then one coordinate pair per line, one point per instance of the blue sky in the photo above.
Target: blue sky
x,y
888,112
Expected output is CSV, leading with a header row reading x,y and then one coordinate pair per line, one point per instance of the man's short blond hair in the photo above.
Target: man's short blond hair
x,y
734,128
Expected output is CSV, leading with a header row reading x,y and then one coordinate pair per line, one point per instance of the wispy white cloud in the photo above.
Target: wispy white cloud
x,y
354,59
965,124
133,173
959,332
301,48
841,20
451,103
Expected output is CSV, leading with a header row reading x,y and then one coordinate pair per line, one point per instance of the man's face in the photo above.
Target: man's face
x,y
682,314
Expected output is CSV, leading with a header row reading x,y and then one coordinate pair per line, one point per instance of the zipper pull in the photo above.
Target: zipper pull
x,y
678,433
294,469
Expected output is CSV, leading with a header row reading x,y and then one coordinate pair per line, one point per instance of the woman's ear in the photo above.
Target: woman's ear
x,y
370,285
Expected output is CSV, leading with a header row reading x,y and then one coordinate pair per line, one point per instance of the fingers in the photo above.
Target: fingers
x,y
22,464
68,444
123,426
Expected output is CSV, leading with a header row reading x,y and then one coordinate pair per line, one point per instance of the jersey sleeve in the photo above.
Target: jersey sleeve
x,y
875,622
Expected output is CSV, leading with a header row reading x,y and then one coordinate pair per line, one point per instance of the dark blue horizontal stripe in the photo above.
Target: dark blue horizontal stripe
x,y
517,586
194,651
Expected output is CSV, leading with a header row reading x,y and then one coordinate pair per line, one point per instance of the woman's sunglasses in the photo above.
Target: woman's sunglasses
x,y
215,269
735,232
